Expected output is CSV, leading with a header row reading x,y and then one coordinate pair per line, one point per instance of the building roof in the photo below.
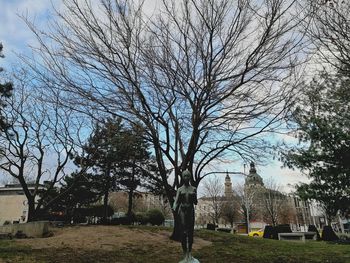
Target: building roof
x,y
253,178
18,187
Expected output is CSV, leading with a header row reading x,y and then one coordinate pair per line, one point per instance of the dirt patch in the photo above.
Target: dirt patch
x,y
106,238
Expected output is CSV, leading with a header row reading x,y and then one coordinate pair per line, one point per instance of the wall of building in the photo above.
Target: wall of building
x,y
32,229
13,207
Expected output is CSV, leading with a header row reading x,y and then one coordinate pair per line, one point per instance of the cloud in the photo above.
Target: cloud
x,y
14,33
285,177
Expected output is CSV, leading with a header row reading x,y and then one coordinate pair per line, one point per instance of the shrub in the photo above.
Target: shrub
x,y
345,237
142,218
121,221
79,218
211,226
155,217
97,211
226,230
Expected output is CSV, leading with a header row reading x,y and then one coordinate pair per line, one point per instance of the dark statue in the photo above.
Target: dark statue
x,y
186,198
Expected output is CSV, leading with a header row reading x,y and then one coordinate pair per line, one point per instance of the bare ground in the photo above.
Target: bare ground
x,y
106,238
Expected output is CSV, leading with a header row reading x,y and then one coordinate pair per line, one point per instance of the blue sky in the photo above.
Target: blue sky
x,y
16,38
14,33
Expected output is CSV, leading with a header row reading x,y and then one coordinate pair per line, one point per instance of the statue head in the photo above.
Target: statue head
x,y
186,176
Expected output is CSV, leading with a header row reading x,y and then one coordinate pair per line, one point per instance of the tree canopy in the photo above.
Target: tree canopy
x,y
119,156
36,134
205,78
323,121
5,92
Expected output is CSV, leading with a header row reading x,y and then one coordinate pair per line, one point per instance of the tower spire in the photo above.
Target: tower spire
x,y
228,186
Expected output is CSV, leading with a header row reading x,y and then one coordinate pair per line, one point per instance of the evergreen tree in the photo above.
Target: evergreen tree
x,y
103,153
5,92
323,121
82,190
137,168
120,157
78,190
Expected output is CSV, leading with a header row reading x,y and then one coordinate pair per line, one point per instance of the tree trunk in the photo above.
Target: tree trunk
x,y
105,205
106,194
329,220
131,193
247,218
274,223
31,209
341,224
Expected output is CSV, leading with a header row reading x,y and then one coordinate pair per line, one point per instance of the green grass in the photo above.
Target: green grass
x,y
225,248
233,248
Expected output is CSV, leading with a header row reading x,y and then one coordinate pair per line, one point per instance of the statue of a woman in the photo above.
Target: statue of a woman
x,y
186,198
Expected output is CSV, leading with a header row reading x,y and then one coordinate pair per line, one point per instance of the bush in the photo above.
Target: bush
x,y
142,218
97,211
79,218
345,237
155,217
226,230
121,221
211,226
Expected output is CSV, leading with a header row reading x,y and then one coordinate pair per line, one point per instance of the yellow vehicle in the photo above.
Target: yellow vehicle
x,y
256,233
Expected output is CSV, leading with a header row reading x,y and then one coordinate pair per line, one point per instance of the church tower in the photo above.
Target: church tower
x,y
228,186
253,179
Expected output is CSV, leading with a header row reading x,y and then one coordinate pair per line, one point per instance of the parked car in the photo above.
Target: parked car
x,y
256,233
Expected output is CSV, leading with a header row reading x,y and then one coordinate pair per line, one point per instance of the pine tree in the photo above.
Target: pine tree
x,y
103,153
78,190
120,157
138,167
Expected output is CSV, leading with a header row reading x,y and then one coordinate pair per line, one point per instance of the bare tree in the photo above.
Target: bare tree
x,y
287,214
230,209
206,78
247,202
328,29
213,191
273,202
36,146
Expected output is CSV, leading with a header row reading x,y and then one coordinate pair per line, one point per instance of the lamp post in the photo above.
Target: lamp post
x,y
240,173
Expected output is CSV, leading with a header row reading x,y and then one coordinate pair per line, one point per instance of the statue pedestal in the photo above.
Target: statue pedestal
x,y
189,260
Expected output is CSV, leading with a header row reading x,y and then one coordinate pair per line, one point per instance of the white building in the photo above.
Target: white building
x,y
14,204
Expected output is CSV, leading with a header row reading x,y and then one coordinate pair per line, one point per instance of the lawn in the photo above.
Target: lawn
x,y
151,244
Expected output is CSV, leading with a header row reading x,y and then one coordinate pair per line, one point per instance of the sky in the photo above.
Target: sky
x,y
16,38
